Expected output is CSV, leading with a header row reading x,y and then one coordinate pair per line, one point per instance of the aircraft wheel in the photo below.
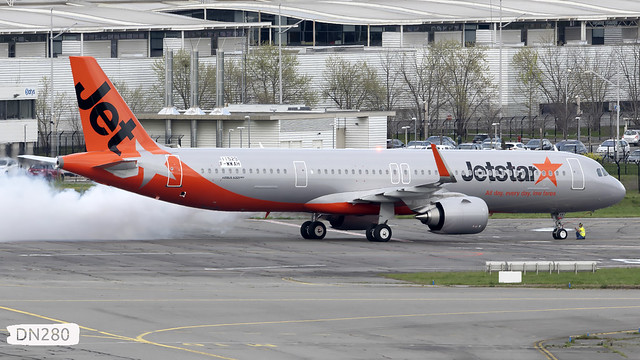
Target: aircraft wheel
x,y
555,234
304,229
562,234
382,233
369,232
317,230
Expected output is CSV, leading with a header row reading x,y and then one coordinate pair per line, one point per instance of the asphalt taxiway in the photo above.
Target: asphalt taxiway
x,y
262,292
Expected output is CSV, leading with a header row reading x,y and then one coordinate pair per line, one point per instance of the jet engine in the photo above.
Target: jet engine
x,y
352,222
456,215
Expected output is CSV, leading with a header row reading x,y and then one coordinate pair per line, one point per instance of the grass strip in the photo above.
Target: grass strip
x,y
628,278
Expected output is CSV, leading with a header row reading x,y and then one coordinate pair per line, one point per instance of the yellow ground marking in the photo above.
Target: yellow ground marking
x,y
262,345
541,347
114,336
142,336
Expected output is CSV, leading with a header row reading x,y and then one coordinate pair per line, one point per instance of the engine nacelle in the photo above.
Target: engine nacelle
x,y
456,215
351,222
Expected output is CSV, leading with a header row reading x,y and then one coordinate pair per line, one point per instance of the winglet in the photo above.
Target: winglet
x,y
445,175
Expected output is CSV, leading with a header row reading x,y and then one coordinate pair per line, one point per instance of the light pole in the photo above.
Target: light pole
x,y
240,128
230,130
566,101
495,134
247,118
617,85
415,128
406,128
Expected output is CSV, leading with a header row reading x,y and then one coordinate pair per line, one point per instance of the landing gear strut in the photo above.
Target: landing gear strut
x,y
559,233
313,229
381,232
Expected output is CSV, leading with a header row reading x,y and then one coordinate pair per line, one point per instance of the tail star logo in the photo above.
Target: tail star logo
x,y
548,171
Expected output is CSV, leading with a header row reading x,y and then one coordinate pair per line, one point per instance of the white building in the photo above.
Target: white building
x,y
18,124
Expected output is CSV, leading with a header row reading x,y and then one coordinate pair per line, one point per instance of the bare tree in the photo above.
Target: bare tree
x,y
466,81
182,81
629,56
592,89
137,98
529,79
350,85
47,124
263,78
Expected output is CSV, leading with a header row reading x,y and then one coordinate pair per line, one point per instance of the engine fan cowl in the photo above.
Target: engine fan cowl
x,y
456,215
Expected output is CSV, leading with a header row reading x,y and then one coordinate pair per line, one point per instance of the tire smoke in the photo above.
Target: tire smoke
x,y
32,209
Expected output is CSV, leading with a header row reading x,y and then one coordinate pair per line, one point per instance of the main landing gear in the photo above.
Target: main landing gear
x,y
379,233
559,233
313,229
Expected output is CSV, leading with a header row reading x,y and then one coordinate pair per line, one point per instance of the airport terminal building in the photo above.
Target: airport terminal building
x,y
128,37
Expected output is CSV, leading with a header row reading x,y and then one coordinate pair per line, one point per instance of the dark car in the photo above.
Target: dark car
x,y
48,171
394,144
534,144
634,157
479,138
572,146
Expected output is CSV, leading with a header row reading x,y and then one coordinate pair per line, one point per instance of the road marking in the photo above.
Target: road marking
x,y
265,267
628,261
117,254
119,337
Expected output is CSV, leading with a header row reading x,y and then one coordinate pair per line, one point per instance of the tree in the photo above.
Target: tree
x,y
263,78
529,79
350,86
423,76
182,79
48,125
630,67
592,89
137,98
466,82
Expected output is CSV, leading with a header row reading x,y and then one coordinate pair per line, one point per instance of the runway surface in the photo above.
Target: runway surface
x,y
260,291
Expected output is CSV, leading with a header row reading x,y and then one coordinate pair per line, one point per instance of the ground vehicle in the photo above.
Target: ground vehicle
x,y
514,146
469,146
8,165
394,143
490,144
632,137
534,144
607,149
442,140
572,146
48,171
419,144
634,156
479,138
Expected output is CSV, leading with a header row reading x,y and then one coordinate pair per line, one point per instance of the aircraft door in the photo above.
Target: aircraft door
x,y
300,173
577,175
174,171
394,171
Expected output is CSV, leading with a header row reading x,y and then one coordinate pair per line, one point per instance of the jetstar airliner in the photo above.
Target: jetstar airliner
x,y
452,192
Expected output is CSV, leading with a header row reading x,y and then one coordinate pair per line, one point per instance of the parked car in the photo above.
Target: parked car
x,y
634,156
492,144
446,141
48,171
418,144
8,165
572,146
534,144
469,146
632,137
479,138
394,144
514,146
607,149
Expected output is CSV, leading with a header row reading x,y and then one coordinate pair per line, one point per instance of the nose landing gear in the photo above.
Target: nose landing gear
x,y
559,233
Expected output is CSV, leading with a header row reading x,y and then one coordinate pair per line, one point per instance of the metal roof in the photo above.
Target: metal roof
x,y
31,16
396,12
98,16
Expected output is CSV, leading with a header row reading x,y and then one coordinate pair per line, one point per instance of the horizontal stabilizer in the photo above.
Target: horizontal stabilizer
x,y
41,159
123,168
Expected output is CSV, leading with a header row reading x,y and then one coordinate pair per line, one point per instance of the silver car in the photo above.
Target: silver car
x,y
8,165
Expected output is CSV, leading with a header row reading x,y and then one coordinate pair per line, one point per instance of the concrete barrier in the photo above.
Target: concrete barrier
x,y
537,266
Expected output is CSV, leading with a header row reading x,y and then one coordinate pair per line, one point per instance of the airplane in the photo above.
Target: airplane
x,y
450,191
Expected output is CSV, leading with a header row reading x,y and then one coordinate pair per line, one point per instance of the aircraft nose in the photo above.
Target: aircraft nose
x,y
617,191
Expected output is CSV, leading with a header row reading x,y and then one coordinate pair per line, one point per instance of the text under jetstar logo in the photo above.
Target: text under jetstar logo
x,y
548,171
108,113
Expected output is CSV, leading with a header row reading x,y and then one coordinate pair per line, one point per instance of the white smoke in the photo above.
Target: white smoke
x,y
31,209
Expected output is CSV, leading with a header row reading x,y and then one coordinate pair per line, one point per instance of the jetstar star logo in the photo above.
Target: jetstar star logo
x,y
548,171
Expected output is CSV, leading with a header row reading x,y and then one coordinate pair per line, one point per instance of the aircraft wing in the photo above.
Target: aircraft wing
x,y
407,194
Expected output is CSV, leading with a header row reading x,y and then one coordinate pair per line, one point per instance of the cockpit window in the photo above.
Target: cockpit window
x,y
605,172
599,171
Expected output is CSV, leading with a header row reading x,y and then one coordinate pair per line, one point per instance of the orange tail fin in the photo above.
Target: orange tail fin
x,y
107,121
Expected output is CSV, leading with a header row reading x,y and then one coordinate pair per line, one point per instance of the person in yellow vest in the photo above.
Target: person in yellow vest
x,y
581,233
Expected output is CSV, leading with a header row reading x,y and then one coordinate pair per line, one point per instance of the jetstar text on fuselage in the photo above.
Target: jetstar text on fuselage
x,y
508,172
